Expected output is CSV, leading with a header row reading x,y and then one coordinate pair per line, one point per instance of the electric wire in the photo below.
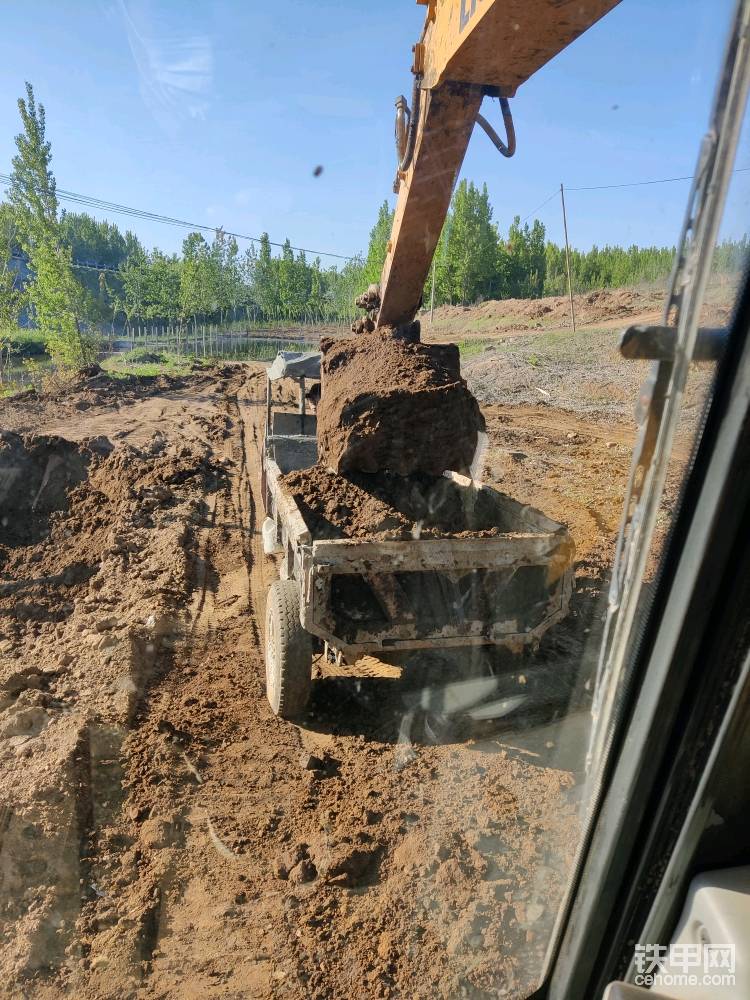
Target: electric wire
x,y
662,180
102,205
611,187
546,201
89,201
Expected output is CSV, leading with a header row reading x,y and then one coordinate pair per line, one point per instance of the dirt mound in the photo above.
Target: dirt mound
x,y
36,474
386,506
96,566
507,315
396,406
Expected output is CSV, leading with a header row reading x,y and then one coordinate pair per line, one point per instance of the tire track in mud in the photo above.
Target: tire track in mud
x,y
213,696
251,404
248,405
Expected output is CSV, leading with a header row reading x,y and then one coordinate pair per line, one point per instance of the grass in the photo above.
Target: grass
x,y
548,348
470,348
8,389
144,362
556,345
153,361
26,343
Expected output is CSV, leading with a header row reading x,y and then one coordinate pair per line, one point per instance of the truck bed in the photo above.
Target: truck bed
x,y
368,596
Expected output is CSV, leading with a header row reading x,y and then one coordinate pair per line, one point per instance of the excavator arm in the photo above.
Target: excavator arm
x,y
468,49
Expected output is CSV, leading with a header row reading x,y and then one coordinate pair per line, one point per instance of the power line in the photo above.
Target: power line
x,y
546,201
610,187
662,180
89,201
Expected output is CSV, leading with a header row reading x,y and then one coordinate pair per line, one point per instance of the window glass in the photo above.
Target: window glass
x,y
272,724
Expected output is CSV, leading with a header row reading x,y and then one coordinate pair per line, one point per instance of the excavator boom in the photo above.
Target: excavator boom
x,y
468,49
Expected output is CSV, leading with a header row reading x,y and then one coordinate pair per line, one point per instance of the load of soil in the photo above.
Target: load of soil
x,y
389,405
385,506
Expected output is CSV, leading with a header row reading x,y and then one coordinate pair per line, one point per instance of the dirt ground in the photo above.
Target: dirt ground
x,y
162,833
608,308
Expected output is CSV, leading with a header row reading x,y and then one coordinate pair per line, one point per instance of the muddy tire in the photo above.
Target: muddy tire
x,y
288,652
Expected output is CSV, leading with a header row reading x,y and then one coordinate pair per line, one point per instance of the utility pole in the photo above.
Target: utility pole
x,y
432,289
567,260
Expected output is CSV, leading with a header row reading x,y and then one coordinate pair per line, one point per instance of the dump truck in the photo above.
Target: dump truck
x,y
346,597
350,596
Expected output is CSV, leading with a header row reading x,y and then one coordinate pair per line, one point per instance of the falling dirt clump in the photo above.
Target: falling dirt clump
x,y
392,405
385,506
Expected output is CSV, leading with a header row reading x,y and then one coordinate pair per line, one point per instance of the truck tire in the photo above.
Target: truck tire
x,y
288,652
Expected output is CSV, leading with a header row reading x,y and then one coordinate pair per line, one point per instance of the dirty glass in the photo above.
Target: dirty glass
x,y
284,710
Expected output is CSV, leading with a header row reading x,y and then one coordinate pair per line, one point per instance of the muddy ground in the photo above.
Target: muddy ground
x,y
162,834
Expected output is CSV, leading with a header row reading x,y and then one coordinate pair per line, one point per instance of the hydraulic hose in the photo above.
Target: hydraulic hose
x,y
506,148
411,133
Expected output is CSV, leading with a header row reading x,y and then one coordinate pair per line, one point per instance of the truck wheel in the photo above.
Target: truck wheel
x,y
288,652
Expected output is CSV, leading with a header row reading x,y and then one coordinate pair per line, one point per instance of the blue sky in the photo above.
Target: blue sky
x,y
218,113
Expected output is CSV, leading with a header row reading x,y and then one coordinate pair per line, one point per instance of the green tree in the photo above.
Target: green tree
x,y
162,287
266,291
231,292
343,286
132,276
554,270
378,245
469,256
317,298
33,192
293,282
11,292
58,303
247,265
196,294
527,262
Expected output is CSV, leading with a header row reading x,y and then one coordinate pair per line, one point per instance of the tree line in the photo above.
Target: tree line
x,y
476,260
78,274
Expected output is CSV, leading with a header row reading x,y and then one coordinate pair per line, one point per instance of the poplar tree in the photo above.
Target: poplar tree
x,y
56,299
378,245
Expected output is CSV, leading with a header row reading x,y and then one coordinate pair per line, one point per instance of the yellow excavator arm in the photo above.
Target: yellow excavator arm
x,y
468,49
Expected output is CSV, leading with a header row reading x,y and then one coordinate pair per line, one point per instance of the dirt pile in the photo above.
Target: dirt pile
x,y
396,406
35,476
386,506
512,315
95,562
97,551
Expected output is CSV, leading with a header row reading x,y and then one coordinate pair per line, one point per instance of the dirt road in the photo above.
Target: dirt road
x,y
163,835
